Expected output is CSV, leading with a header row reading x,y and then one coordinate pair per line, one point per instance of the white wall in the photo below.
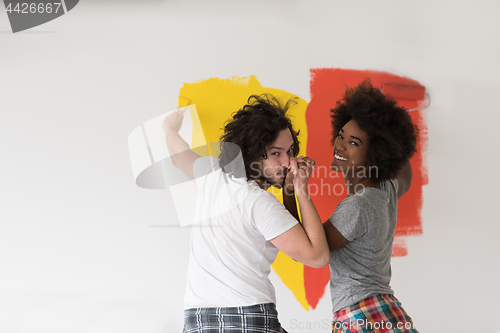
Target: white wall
x,y
78,248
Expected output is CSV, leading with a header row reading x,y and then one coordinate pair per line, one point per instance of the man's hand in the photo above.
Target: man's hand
x,y
304,242
301,169
173,121
306,163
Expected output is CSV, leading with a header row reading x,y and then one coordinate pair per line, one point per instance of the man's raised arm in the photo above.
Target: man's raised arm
x,y
180,152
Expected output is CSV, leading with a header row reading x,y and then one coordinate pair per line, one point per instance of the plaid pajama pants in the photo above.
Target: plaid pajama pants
x,y
378,314
260,318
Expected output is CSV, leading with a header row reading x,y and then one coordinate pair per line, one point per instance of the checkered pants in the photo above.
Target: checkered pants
x,y
378,314
260,318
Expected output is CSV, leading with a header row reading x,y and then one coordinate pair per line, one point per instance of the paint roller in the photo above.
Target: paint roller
x,y
186,102
406,91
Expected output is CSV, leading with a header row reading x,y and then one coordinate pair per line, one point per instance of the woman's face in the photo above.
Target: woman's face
x,y
350,149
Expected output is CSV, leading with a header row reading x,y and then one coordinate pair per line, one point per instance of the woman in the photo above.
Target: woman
x,y
373,139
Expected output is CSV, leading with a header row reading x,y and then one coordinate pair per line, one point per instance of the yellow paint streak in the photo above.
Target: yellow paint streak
x,y
216,100
291,273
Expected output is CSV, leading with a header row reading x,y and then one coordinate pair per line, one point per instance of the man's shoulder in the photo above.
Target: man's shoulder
x,y
205,165
257,193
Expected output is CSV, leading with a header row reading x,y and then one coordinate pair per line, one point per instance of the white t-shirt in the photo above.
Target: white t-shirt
x,y
231,253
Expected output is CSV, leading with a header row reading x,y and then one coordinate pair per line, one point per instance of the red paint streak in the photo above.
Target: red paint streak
x,y
327,188
315,281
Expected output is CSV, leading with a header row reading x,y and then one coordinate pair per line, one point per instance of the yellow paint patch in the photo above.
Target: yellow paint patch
x,y
216,100
291,273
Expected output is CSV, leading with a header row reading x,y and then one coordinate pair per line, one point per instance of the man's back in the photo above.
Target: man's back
x,y
230,249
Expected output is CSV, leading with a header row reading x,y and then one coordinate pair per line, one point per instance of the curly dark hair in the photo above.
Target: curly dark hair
x,y
392,135
252,130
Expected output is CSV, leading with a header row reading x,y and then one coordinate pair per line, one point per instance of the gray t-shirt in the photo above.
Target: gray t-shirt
x,y
362,267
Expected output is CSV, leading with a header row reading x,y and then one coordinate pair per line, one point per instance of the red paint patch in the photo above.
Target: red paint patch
x,y
315,281
327,188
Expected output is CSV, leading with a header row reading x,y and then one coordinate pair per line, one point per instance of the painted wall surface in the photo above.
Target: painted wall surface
x,y
83,249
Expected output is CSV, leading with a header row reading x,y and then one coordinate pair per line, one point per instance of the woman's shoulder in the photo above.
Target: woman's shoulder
x,y
389,185
366,199
355,203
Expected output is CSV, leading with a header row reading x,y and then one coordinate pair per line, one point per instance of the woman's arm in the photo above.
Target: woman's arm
x,y
404,177
289,196
334,237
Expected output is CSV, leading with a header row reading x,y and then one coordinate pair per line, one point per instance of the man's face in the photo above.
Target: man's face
x,y
273,170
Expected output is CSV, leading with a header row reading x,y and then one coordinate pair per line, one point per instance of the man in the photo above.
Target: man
x,y
241,225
